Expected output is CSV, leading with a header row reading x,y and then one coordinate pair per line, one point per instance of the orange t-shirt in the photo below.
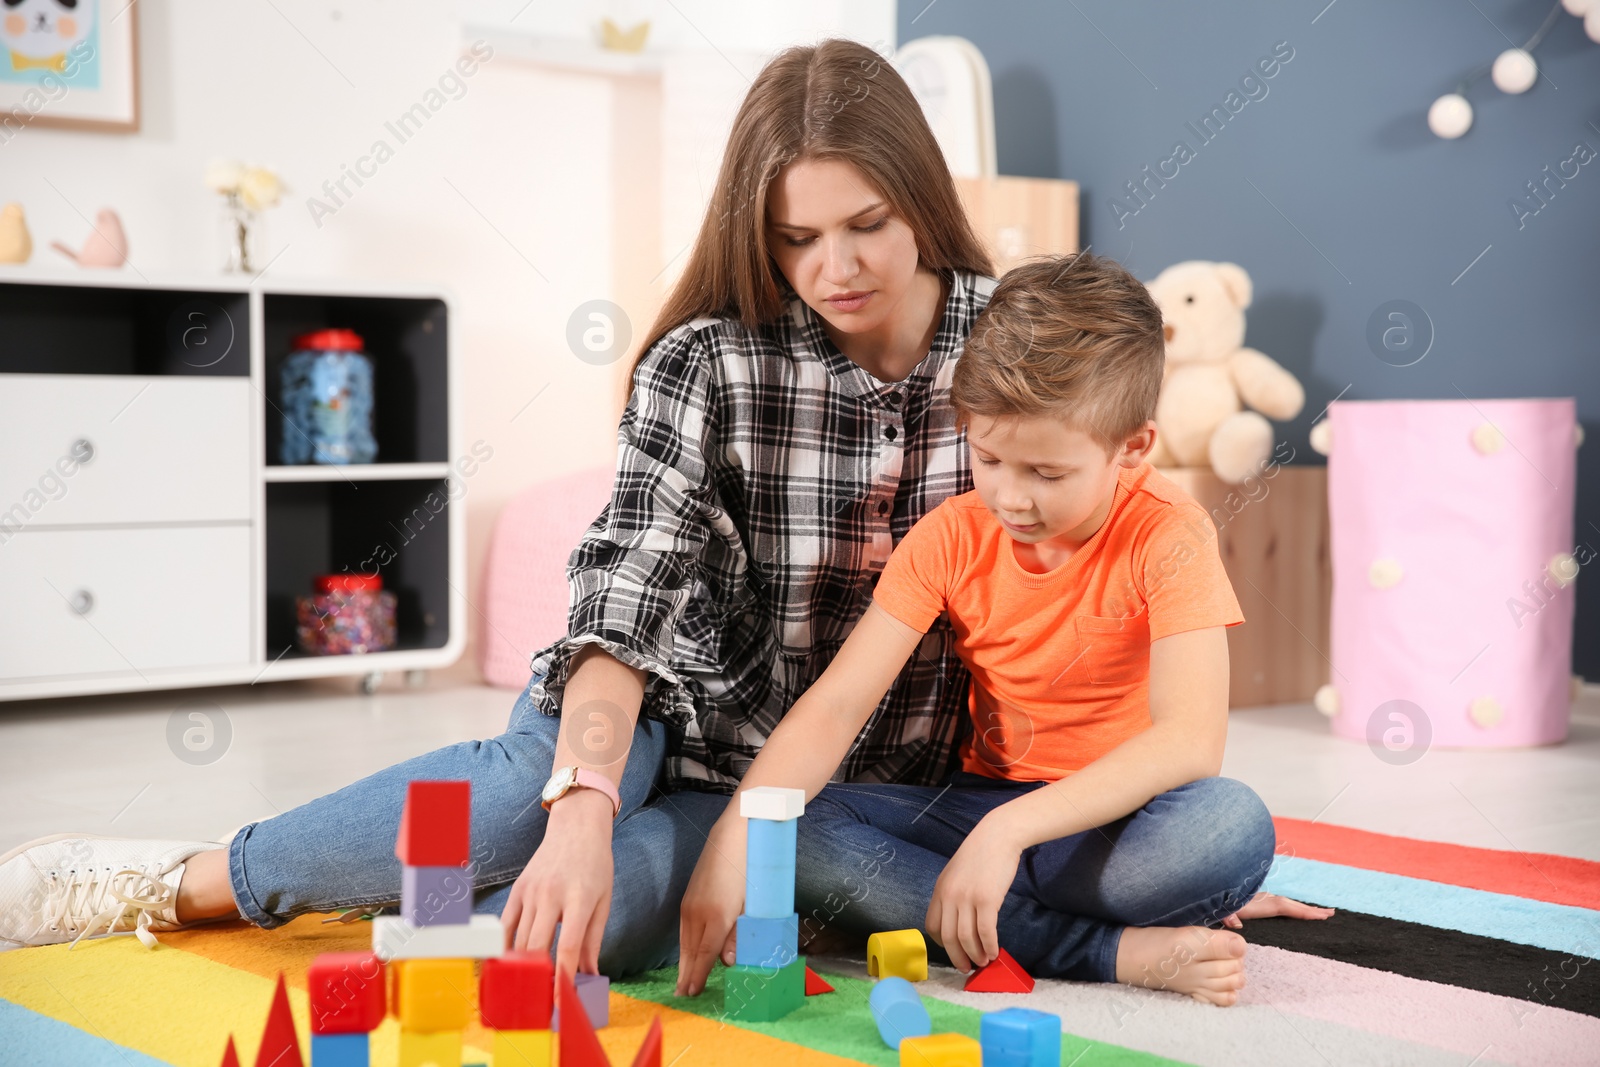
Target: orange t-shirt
x,y
1060,661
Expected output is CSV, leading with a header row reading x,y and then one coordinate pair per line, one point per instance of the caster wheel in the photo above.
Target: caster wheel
x,y
370,682
416,679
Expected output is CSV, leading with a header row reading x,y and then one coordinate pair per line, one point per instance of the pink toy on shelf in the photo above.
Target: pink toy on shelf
x,y
1453,565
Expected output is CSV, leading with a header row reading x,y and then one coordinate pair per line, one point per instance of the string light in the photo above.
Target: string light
x,y
1513,71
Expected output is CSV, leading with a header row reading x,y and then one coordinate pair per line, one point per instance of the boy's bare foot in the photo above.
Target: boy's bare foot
x,y
1206,964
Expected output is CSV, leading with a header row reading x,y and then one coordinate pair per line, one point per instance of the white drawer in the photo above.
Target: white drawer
x,y
164,449
150,599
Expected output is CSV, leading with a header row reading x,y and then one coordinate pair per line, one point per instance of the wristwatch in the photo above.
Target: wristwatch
x,y
564,779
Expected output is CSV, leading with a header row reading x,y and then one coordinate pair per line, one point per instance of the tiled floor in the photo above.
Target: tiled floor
x,y
106,764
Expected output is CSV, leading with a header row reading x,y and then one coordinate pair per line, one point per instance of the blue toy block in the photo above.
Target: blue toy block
x,y
1020,1037
594,991
769,868
898,1011
435,896
339,1050
762,942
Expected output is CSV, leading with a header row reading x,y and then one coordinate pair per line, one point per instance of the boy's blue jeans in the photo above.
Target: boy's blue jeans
x,y
1189,856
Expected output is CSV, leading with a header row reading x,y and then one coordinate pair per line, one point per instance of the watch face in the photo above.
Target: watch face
x,y
559,783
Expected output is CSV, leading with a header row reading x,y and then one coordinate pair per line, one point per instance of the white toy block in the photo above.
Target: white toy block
x,y
1453,548
773,803
395,939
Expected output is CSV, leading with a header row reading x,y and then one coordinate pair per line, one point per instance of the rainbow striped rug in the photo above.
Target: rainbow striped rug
x,y
1438,954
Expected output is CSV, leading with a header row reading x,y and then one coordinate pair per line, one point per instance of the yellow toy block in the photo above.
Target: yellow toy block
x,y
936,1050
435,994
898,953
522,1048
442,1049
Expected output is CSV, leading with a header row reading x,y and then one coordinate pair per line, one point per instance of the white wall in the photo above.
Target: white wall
x,y
507,195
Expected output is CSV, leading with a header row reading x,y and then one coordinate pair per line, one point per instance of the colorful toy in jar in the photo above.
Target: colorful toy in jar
x,y
326,385
349,613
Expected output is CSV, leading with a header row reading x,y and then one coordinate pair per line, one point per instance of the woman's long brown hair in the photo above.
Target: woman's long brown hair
x,y
833,100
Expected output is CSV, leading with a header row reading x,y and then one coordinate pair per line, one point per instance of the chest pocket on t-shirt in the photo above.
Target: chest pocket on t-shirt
x,y
1116,651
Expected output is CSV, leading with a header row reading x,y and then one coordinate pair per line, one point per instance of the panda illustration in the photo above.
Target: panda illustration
x,y
38,33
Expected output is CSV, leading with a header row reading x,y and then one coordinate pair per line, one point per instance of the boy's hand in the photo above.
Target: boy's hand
x,y
711,904
965,909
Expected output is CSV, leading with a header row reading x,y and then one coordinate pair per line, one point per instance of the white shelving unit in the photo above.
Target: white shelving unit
x,y
149,539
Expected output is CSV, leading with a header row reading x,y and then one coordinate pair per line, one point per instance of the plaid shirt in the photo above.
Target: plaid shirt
x,y
762,481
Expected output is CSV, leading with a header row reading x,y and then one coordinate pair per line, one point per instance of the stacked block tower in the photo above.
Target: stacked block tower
x,y
768,978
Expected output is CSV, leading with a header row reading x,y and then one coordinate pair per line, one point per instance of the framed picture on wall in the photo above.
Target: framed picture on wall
x,y
69,63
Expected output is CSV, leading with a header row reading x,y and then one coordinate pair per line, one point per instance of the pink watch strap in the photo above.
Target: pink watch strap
x,y
600,784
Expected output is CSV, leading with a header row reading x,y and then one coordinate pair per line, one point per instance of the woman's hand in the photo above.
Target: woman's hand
x,y
965,910
1267,905
711,905
568,880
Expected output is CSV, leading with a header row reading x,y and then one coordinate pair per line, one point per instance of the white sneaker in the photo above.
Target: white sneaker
x,y
70,886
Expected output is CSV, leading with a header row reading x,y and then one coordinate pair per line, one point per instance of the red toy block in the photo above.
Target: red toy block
x,y
346,990
435,824
815,983
1000,975
650,1051
515,991
579,1046
230,1058
279,1046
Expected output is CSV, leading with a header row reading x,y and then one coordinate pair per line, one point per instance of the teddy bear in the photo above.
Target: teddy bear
x,y
1210,378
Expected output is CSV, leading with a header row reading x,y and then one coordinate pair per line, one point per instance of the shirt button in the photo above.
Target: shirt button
x,y
890,432
895,399
883,507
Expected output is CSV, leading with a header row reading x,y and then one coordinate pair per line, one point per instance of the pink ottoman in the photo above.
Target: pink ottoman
x,y
1453,570
525,575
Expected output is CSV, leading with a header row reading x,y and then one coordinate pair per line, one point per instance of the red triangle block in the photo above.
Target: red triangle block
x,y
230,1058
650,1051
279,1046
1002,975
815,983
579,1046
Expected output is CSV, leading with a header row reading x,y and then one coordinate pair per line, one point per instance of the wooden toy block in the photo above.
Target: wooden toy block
x,y
649,1054
339,1050
441,1048
230,1058
435,896
395,939
516,991
280,1047
435,825
1000,975
941,1050
763,994
899,954
579,1046
523,1048
1020,1037
769,869
595,992
773,803
346,990
816,984
762,942
898,1011
434,994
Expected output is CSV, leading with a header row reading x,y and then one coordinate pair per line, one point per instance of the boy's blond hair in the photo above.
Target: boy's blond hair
x,y
1074,337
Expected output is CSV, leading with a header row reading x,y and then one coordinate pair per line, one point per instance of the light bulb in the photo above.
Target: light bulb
x,y
1514,71
1450,116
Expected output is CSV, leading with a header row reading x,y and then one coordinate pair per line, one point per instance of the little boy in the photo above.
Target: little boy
x,y
1087,829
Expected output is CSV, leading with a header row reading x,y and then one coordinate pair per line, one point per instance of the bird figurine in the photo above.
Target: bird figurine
x,y
107,246
15,244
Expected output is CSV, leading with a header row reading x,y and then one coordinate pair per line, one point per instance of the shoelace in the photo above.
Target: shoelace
x,y
137,894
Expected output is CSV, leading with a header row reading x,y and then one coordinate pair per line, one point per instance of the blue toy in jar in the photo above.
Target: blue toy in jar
x,y
327,400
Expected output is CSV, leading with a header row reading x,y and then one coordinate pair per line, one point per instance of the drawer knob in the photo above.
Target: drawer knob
x,y
81,602
83,450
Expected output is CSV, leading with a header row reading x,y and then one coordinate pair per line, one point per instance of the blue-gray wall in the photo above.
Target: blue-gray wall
x,y
1327,185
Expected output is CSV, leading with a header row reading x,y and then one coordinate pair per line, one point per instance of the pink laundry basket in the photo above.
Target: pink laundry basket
x,y
1454,564
525,576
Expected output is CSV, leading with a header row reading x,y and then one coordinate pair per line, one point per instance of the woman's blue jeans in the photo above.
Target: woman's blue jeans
x,y
338,850
870,856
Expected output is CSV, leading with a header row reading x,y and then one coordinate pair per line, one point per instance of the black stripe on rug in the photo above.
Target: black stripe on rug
x,y
1450,957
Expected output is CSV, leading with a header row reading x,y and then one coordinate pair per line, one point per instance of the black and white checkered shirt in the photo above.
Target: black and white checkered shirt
x,y
762,481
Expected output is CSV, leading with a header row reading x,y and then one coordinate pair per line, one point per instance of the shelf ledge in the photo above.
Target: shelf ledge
x,y
355,472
